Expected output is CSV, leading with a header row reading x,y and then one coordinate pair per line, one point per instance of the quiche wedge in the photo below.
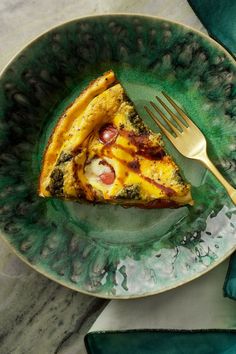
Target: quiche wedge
x,y
101,151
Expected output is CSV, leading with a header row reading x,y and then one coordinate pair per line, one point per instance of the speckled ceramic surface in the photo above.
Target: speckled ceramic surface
x,y
110,251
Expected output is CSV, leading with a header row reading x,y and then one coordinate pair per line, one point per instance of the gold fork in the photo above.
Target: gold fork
x,y
187,138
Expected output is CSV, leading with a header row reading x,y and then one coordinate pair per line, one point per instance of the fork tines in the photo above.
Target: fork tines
x,y
179,125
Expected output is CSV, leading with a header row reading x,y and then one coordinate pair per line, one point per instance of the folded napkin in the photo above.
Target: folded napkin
x,y
230,280
162,342
219,18
197,307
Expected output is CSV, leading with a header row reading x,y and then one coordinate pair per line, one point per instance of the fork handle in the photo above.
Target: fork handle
x,y
207,162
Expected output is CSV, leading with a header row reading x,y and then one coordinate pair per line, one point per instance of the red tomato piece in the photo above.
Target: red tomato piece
x,y
107,177
108,134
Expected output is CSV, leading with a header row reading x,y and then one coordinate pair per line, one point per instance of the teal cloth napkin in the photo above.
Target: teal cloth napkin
x,y
230,280
219,18
162,342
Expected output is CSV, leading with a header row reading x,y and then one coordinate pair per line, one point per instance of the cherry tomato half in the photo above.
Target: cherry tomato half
x,y
107,177
108,134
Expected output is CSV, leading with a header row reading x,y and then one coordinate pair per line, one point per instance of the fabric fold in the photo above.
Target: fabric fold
x,y
162,342
219,18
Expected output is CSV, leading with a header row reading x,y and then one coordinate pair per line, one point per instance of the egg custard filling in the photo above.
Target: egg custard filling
x,y
101,151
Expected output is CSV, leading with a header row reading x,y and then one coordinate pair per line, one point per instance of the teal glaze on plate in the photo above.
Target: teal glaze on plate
x,y
107,250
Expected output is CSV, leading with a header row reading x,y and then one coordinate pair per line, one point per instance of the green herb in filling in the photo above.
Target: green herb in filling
x,y
130,192
64,157
137,122
56,182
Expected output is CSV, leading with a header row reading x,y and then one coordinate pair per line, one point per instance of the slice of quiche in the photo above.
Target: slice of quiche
x,y
101,151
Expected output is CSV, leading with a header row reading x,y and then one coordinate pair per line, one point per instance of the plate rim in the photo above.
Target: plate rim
x,y
55,278
114,14
114,297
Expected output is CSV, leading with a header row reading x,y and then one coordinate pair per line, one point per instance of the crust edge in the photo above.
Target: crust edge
x,y
96,86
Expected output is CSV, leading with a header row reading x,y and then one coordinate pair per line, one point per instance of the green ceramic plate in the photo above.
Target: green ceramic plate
x,y
107,250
